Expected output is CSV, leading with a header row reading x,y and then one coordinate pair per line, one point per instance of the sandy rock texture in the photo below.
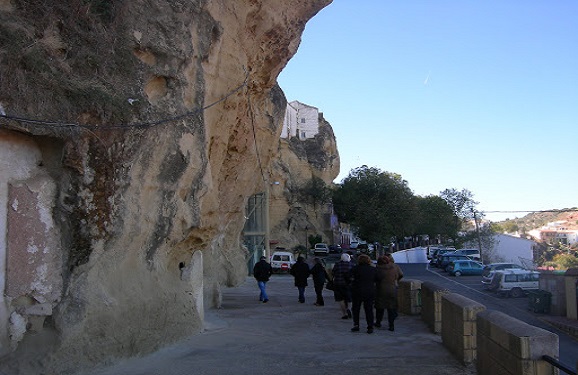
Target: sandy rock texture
x,y
154,122
295,213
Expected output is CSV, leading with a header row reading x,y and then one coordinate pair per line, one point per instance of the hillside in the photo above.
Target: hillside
x,y
537,220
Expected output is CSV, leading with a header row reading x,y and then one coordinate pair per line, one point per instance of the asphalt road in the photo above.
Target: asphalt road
x,y
472,288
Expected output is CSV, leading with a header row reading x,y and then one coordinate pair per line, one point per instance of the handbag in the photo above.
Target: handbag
x,y
329,285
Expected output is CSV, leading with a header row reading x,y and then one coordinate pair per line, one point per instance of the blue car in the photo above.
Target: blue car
x,y
465,267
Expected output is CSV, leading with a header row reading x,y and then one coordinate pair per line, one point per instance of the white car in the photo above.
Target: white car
x,y
490,269
321,249
514,282
281,261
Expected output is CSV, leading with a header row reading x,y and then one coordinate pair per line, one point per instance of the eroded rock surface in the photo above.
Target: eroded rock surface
x,y
153,121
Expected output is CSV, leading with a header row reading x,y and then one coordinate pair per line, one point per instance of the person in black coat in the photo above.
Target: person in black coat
x,y
319,274
300,272
262,272
363,286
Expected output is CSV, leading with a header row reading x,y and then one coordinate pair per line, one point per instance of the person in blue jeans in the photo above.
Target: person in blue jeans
x,y
300,272
262,272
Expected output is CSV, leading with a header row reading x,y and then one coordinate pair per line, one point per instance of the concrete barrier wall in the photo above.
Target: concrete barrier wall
x,y
459,326
409,296
506,345
554,283
431,305
495,342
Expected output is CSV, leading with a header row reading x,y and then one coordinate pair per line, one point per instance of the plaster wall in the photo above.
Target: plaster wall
x,y
513,249
30,265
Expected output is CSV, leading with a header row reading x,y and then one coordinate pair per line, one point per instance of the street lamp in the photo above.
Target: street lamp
x,y
306,247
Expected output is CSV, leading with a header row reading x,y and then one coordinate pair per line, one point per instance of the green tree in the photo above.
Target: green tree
x,y
378,204
510,226
436,218
461,202
315,192
463,206
566,260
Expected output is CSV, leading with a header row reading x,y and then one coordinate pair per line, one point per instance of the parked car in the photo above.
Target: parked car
x,y
281,261
499,266
465,267
472,253
321,249
335,249
514,282
438,254
365,248
445,260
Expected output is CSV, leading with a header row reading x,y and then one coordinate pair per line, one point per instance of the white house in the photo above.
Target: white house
x,y
301,120
513,250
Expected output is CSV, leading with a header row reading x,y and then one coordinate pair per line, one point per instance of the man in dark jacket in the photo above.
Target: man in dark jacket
x,y
363,285
300,272
262,272
318,273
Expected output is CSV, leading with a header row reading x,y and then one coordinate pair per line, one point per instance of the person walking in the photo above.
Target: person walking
x,y
388,275
262,271
318,273
300,272
363,285
341,288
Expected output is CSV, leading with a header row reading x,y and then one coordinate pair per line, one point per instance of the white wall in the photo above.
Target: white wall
x,y
511,249
415,255
300,119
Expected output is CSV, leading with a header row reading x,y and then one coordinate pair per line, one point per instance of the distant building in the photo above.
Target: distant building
x,y
556,232
301,120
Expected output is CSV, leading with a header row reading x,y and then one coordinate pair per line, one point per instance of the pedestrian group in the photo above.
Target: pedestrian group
x,y
355,284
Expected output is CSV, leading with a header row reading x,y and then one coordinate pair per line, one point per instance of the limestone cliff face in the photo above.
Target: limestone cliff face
x,y
155,121
294,214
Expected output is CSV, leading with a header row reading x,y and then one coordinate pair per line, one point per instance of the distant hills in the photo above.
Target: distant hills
x,y
536,220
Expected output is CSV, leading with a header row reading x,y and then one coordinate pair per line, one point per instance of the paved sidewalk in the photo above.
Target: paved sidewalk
x,y
286,337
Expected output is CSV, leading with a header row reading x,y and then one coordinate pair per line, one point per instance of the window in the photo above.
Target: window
x,y
303,120
510,278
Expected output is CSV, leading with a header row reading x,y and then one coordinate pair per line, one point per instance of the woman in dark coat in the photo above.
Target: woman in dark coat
x,y
363,284
318,274
300,272
388,274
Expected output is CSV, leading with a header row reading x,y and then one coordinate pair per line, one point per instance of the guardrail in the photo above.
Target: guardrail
x,y
559,365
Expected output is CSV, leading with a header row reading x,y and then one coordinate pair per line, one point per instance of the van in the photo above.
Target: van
x,y
514,282
281,261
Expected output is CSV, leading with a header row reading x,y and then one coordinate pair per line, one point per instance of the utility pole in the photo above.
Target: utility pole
x,y
478,235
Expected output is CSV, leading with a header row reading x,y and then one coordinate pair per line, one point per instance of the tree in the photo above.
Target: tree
x,y
315,192
463,206
378,204
566,260
436,218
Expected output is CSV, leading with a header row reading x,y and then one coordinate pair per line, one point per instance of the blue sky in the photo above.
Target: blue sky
x,y
477,95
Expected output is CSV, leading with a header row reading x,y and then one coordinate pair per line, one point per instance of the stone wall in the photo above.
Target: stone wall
x,y
493,342
431,305
459,326
409,296
509,346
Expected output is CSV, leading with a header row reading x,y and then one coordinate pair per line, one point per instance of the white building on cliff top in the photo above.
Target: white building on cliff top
x,y
301,120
